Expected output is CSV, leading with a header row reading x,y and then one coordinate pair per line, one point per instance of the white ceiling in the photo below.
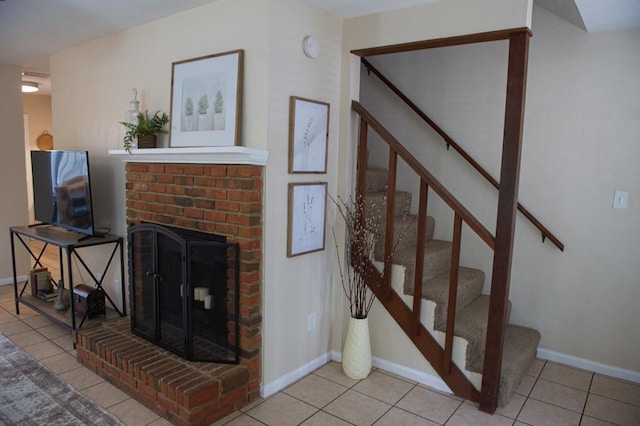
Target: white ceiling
x,y
30,30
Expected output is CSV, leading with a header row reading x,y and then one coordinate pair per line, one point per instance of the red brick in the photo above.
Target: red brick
x,y
201,393
193,169
156,168
157,187
175,169
137,167
244,171
193,213
168,179
215,216
216,171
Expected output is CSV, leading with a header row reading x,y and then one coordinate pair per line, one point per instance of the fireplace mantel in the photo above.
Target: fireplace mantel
x,y
196,155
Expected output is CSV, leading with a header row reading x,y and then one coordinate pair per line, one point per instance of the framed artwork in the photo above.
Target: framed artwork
x,y
206,100
308,135
307,211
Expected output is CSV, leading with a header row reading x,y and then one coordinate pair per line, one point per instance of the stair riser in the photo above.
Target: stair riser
x,y
376,205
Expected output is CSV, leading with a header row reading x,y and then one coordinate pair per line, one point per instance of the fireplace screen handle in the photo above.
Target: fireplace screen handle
x,y
154,275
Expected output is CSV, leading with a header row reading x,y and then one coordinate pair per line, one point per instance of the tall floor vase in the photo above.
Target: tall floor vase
x,y
356,355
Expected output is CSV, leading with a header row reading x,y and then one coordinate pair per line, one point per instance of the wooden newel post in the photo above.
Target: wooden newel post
x,y
507,209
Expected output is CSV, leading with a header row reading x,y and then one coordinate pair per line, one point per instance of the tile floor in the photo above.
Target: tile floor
x,y
551,394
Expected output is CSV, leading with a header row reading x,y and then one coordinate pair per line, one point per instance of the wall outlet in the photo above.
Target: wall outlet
x,y
311,321
620,199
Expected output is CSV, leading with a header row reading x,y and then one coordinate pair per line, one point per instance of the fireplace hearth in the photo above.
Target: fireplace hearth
x,y
184,290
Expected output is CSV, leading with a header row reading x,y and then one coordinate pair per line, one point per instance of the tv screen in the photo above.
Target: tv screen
x,y
61,189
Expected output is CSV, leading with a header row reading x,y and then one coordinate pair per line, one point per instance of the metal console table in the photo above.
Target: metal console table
x,y
70,242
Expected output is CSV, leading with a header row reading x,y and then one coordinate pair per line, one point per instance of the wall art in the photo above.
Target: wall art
x,y
307,211
206,100
308,135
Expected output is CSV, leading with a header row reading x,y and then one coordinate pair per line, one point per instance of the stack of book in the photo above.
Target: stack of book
x,y
47,295
40,279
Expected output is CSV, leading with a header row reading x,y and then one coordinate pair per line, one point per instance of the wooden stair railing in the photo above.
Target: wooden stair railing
x,y
380,283
502,243
464,154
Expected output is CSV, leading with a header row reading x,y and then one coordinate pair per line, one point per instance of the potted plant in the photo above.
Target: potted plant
x,y
360,232
363,227
145,130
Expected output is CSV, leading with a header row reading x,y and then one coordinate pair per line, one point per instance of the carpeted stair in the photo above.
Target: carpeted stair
x,y
471,306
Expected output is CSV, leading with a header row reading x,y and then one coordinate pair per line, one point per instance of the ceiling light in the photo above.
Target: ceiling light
x,y
29,87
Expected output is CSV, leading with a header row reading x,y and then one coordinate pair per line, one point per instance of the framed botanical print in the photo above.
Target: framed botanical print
x,y
308,135
206,100
306,224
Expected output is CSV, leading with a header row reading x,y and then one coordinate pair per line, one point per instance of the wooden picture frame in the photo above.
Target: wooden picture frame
x,y
206,100
308,135
307,218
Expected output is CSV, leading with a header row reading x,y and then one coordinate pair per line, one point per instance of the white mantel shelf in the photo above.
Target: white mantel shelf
x,y
198,155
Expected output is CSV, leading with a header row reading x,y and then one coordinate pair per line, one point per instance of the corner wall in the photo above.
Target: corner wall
x,y
13,183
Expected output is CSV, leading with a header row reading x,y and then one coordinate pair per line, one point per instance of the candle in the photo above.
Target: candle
x,y
207,301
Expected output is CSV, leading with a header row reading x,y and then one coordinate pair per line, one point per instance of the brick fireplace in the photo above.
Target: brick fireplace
x,y
223,199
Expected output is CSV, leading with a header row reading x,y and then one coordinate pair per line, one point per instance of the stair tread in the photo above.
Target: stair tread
x,y
377,179
437,259
519,351
378,201
471,325
470,283
407,228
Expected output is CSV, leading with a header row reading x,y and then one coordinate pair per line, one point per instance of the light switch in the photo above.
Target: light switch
x,y
620,199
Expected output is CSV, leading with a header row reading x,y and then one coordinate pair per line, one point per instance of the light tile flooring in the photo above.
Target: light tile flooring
x,y
551,394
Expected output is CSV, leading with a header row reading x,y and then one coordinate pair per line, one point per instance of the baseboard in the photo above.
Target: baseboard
x,y
7,281
421,377
291,377
585,364
436,382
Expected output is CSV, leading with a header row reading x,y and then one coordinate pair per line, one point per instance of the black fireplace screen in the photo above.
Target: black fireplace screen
x,y
184,291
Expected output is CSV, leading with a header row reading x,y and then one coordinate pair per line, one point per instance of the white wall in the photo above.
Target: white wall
x,y
430,21
13,184
298,286
580,144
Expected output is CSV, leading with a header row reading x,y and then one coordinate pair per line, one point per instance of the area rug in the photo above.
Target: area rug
x,y
30,394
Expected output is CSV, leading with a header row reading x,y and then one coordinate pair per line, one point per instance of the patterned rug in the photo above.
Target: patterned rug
x,y
30,394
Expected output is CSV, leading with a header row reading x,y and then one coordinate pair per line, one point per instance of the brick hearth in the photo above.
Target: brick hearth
x,y
220,199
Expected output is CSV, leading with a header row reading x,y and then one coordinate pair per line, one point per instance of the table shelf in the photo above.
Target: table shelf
x,y
72,243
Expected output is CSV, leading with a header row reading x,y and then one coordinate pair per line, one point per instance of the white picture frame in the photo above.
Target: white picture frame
x,y
206,100
307,218
308,135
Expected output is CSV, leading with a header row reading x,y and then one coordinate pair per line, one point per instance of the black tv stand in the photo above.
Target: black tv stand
x,y
72,243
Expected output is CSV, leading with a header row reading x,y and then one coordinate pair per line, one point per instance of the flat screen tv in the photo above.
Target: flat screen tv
x,y
62,189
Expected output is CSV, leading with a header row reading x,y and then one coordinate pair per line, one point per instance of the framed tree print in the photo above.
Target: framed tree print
x,y
206,100
308,135
306,224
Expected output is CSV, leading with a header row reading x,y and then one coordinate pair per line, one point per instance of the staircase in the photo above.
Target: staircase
x,y
471,308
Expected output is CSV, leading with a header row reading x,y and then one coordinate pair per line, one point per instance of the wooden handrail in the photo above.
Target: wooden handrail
x,y
450,142
484,234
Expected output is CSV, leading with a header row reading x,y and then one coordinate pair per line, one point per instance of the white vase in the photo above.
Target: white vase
x,y
356,355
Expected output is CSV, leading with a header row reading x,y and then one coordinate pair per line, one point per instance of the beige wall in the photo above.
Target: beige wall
x,y
298,286
13,184
37,108
580,144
